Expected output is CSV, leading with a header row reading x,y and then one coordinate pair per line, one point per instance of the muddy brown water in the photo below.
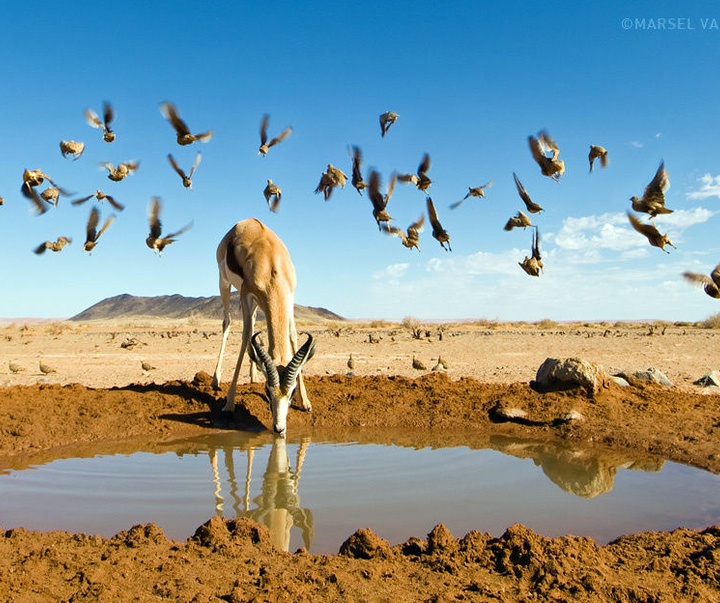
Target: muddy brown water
x,y
314,491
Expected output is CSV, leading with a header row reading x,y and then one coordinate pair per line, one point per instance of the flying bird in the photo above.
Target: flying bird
x,y
116,174
653,200
72,148
91,232
186,178
438,232
184,137
52,195
329,179
520,220
272,195
379,200
264,144
473,191
56,245
387,119
531,206
597,152
33,179
533,265
419,179
104,125
100,196
651,233
357,179
540,146
710,284
412,238
155,240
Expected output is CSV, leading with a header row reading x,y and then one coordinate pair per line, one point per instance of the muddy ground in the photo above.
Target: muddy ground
x,y
100,394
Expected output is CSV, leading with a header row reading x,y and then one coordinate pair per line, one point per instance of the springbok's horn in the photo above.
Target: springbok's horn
x,y
304,354
271,372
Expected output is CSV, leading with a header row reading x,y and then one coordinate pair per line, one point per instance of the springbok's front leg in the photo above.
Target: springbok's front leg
x,y
249,309
225,298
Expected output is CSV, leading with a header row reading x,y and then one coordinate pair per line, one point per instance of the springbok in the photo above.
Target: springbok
x,y
254,260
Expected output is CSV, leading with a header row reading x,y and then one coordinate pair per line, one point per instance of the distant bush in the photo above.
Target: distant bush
x,y
711,322
546,323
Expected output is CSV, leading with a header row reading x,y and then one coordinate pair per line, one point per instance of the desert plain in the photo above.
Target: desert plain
x,y
94,388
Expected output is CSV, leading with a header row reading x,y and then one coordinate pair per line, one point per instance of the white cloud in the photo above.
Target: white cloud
x,y
709,187
394,271
477,264
637,144
592,233
681,219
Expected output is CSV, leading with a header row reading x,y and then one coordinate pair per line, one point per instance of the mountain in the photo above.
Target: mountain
x,y
177,306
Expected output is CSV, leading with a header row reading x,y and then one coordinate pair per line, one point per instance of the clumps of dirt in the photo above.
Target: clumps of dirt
x,y
365,544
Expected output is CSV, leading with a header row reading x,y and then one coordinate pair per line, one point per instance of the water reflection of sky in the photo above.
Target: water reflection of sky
x,y
398,492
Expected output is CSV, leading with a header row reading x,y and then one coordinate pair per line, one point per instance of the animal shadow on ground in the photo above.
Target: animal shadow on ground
x,y
200,391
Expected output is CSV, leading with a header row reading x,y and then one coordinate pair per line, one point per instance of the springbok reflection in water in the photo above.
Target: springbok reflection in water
x,y
278,504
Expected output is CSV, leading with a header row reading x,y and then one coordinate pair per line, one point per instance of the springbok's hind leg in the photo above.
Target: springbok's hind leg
x,y
225,298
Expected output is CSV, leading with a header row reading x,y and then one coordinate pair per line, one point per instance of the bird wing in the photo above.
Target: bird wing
x,y
432,215
658,185
548,144
195,164
715,275
417,226
175,166
536,150
105,226
697,279
41,248
82,200
263,129
108,115
38,206
521,191
536,245
154,218
169,111
93,119
424,164
647,230
181,231
376,197
115,204
458,203
391,187
92,223
280,137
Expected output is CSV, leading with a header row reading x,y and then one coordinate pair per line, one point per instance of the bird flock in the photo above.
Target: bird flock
x,y
543,149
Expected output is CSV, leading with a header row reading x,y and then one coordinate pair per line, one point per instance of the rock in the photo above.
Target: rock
x,y
619,381
651,376
709,379
364,544
558,374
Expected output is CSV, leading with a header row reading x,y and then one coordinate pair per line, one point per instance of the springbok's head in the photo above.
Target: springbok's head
x,y
280,381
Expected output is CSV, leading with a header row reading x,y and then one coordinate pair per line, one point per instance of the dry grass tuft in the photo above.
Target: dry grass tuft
x,y
711,322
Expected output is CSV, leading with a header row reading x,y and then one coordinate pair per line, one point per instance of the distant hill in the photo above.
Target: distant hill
x,y
178,306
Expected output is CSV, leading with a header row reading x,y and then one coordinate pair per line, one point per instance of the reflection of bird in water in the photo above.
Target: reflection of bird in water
x,y
438,232
531,206
520,220
186,178
412,237
56,245
272,194
473,191
653,200
278,504
585,473
100,196
72,148
387,119
533,264
155,240
540,146
710,284
651,233
266,145
104,125
184,137
91,232
597,152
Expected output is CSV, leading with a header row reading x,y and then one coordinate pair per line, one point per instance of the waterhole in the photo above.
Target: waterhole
x,y
316,490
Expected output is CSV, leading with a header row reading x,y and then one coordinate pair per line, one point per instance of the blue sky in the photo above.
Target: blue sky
x,y
470,82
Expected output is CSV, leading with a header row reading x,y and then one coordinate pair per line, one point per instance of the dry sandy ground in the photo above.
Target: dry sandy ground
x,y
113,398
